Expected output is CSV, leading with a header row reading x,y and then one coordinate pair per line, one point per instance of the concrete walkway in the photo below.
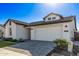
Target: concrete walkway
x,y
6,52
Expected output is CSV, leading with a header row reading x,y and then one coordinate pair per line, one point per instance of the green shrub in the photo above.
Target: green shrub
x,y
61,42
10,39
21,40
7,39
14,40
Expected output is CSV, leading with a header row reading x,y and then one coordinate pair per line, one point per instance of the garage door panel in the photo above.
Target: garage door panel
x,y
42,34
48,34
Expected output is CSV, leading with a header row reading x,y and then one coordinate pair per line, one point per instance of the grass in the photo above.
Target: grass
x,y
6,43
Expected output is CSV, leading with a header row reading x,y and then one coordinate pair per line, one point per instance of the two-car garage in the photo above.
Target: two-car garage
x,y
46,33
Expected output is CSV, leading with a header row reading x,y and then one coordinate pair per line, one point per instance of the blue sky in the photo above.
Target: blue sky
x,y
30,12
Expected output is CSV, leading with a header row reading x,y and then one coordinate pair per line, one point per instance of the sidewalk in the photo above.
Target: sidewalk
x,y
6,52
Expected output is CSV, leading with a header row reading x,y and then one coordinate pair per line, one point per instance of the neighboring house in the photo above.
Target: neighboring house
x,y
53,26
1,30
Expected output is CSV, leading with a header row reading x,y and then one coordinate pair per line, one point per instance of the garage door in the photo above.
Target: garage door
x,y
47,34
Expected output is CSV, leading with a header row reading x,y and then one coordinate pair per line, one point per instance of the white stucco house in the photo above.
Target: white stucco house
x,y
53,26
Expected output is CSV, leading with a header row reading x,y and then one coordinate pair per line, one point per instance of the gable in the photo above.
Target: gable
x,y
16,22
52,17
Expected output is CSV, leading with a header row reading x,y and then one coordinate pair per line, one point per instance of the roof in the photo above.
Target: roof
x,y
65,19
17,22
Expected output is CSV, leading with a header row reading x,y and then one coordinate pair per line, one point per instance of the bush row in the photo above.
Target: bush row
x,y
13,40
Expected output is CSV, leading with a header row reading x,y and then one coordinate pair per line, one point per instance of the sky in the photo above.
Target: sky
x,y
30,12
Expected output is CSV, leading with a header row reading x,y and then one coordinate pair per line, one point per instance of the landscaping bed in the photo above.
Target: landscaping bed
x,y
61,49
64,52
60,52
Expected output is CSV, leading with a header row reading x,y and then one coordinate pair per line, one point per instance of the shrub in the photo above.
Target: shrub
x,y
14,40
61,43
10,39
7,39
21,40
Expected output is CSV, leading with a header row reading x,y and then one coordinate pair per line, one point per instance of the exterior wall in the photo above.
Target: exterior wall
x,y
66,31
2,30
72,29
13,27
22,32
18,31
52,15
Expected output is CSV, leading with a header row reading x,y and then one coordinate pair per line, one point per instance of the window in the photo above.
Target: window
x,y
65,30
10,31
10,23
49,18
53,17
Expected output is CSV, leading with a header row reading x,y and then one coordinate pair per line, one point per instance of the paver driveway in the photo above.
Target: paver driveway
x,y
35,48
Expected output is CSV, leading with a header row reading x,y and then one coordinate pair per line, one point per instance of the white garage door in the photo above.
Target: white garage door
x,y
47,34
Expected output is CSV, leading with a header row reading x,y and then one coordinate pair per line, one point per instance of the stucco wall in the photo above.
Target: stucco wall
x,y
22,32
13,27
66,31
72,28
18,31
2,30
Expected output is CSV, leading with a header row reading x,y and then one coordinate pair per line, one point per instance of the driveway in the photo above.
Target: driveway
x,y
33,47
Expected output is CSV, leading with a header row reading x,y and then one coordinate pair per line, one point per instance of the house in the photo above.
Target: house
x,y
1,30
53,26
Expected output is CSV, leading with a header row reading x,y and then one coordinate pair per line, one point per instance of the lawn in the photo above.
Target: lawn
x,y
6,43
